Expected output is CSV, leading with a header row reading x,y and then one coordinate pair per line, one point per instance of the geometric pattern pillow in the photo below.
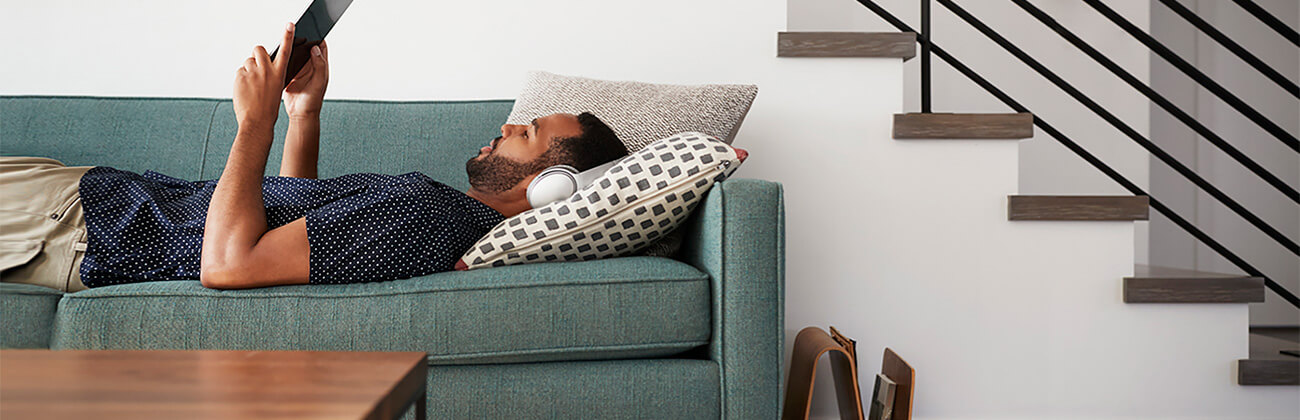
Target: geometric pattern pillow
x,y
639,113
640,199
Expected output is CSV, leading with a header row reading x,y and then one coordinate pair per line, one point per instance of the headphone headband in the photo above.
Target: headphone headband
x,y
562,181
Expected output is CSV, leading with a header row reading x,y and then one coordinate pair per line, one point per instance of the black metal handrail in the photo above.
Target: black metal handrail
x,y
1123,127
1070,144
1160,100
1191,71
1270,20
1232,46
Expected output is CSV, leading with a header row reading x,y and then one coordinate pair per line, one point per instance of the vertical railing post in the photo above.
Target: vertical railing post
x,y
925,56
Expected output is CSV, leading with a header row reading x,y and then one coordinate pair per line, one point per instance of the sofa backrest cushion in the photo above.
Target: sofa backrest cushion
x,y
435,138
163,134
191,138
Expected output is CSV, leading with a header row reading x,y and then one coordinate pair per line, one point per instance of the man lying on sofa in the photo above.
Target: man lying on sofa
x,y
254,231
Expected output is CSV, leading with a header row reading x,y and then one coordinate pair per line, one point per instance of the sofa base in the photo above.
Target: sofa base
x,y
610,389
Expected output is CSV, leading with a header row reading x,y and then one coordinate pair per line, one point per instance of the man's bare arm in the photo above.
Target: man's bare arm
x,y
238,250
303,97
301,147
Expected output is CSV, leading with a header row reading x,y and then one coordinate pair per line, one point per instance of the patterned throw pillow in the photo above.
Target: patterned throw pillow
x,y
643,197
639,113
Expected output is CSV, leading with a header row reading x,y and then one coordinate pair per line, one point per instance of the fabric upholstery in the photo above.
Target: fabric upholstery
x,y
135,134
640,113
738,238
646,195
616,389
27,315
734,241
627,307
431,137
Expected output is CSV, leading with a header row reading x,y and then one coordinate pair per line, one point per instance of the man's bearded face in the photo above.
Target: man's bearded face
x,y
495,174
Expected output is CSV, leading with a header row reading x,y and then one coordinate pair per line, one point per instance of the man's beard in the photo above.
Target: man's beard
x,y
497,174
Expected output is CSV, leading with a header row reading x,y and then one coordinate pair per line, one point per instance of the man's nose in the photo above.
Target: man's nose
x,y
508,130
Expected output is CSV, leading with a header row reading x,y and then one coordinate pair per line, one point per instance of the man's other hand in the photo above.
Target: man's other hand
x,y
304,94
258,84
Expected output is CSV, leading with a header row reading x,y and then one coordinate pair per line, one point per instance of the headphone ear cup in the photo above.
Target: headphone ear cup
x,y
553,184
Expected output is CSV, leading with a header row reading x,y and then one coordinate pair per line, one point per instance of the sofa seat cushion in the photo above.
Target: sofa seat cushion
x,y
609,309
27,315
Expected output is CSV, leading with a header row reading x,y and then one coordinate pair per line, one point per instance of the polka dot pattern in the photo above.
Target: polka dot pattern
x,y
360,227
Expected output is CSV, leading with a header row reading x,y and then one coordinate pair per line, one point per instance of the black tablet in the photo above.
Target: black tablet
x,y
310,30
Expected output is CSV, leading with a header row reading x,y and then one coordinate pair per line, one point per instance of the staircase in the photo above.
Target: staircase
x,y
1167,338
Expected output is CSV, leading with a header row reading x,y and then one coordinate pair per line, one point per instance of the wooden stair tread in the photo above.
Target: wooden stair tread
x,y
1014,126
846,44
1154,284
1266,366
1268,371
1077,207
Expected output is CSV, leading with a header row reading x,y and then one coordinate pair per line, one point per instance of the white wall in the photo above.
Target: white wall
x,y
1170,245
903,244
1046,167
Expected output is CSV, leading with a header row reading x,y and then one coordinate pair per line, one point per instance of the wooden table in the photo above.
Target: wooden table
x,y
209,384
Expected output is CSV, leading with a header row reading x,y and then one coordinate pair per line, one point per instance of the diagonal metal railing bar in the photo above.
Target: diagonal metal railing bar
x,y
1232,46
1191,71
1123,127
1270,20
1088,157
1160,100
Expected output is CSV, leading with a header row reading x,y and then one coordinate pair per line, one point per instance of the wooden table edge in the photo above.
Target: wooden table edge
x,y
411,389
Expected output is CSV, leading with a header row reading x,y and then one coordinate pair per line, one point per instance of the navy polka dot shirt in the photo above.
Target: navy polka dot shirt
x,y
360,227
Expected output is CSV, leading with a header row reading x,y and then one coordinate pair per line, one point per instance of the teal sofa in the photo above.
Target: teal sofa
x,y
695,336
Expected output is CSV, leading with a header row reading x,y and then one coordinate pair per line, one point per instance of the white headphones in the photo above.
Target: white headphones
x,y
562,181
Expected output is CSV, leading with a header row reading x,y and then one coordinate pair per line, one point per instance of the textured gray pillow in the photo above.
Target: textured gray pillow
x,y
639,113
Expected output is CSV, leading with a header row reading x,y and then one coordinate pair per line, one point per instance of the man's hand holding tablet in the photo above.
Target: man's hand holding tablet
x,y
258,84
315,23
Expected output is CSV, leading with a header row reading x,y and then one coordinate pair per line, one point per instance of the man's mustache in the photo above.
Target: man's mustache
x,y
492,145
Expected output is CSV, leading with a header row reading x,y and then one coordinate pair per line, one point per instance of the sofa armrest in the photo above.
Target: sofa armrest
x,y
737,236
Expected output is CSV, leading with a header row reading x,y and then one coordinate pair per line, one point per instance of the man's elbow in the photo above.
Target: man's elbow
x,y
218,275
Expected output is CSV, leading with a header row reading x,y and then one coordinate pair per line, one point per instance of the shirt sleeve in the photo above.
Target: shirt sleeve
x,y
384,235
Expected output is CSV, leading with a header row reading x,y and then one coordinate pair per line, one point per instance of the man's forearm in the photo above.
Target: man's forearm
x,y
301,147
236,214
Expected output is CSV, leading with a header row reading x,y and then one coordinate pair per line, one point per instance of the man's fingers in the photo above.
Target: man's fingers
x,y
286,49
262,58
303,74
317,56
250,64
322,60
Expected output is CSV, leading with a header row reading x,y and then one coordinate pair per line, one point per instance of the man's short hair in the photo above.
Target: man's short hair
x,y
596,145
